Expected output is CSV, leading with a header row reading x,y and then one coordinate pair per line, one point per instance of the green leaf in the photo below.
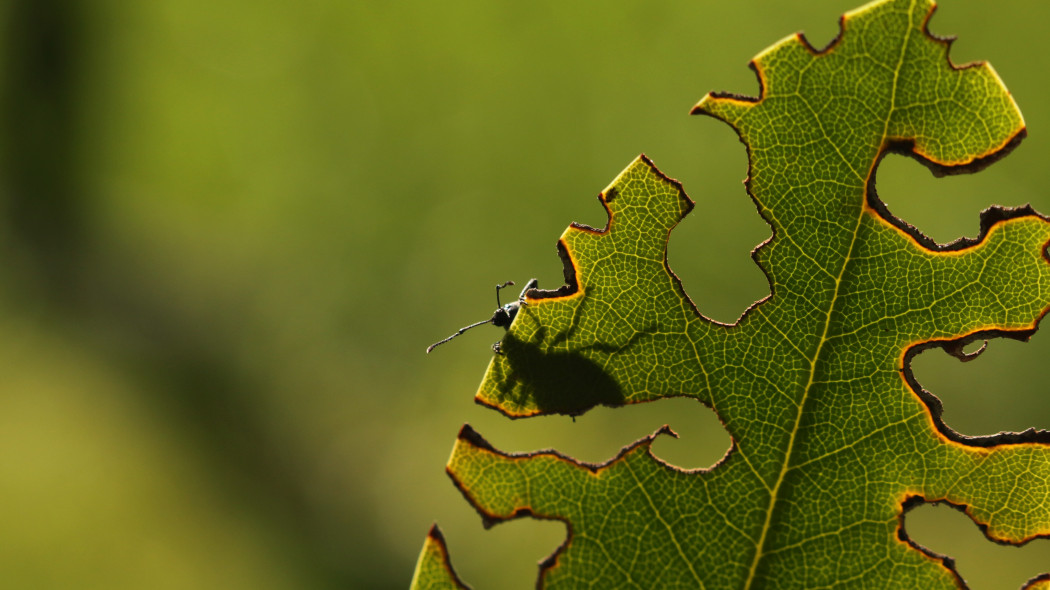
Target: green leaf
x,y
833,439
434,570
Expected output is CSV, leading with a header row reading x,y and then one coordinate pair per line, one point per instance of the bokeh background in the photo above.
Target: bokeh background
x,y
230,228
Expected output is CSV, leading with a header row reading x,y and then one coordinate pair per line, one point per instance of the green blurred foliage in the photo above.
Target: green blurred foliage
x,y
229,229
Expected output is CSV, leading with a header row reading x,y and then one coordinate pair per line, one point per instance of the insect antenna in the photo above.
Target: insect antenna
x,y
498,287
460,331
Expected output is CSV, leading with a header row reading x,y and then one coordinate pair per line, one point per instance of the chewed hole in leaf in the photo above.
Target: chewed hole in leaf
x,y
985,566
722,287
943,209
976,402
702,440
710,249
504,556
599,434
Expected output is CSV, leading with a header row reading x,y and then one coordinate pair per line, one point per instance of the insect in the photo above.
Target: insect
x,y
503,316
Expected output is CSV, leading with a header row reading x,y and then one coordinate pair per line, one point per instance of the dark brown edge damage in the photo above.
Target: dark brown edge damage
x,y
988,218
954,347
913,501
1040,578
468,435
571,286
435,535
751,195
907,506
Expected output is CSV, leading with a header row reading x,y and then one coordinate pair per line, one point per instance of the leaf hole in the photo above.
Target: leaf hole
x,y
1003,390
507,555
984,565
710,249
599,434
946,208
504,556
702,439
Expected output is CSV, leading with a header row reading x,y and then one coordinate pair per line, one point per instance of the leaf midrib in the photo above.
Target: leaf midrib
x,y
789,453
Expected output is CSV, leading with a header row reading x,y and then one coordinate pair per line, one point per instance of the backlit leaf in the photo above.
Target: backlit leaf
x,y
833,439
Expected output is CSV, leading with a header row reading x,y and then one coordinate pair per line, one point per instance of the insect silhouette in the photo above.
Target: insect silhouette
x,y
502,317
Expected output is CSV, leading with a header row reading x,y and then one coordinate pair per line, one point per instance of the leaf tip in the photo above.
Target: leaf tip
x,y
468,435
434,567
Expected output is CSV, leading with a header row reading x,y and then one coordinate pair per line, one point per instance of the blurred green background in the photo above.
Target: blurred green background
x,y
230,228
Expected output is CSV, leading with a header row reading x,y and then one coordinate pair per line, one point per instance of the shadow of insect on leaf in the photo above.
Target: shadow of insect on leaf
x,y
557,382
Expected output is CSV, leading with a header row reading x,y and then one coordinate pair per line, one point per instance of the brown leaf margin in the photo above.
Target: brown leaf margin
x,y
910,502
435,542
471,437
571,288
606,196
988,219
1040,582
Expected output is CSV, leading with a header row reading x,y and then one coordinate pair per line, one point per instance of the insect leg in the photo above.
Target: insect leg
x,y
532,284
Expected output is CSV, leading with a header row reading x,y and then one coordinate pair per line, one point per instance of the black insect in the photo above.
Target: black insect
x,y
503,316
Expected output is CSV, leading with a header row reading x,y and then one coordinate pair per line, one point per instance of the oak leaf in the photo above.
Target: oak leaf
x,y
833,438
